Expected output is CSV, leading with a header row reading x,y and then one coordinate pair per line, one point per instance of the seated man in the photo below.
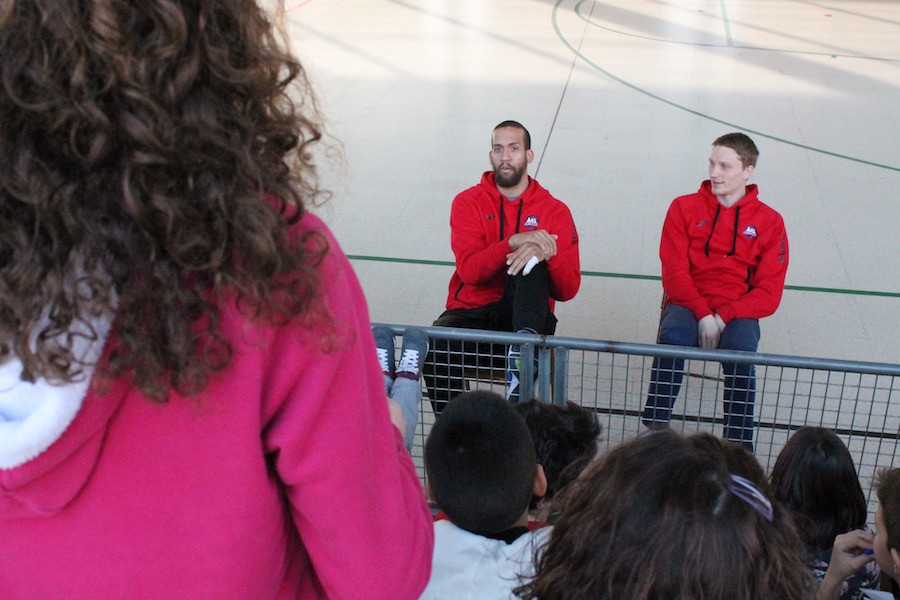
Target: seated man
x,y
724,258
482,473
498,229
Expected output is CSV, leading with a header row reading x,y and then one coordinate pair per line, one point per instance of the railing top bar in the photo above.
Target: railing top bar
x,y
737,356
660,350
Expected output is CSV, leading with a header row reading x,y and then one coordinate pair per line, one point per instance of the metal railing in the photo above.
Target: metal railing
x,y
852,398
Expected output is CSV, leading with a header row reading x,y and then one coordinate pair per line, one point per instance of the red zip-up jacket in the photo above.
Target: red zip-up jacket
x,y
481,222
731,261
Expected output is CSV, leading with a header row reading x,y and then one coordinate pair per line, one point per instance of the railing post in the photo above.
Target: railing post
x,y
560,374
526,371
544,373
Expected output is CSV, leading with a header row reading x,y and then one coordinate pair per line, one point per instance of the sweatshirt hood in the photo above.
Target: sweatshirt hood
x,y
751,195
51,435
749,198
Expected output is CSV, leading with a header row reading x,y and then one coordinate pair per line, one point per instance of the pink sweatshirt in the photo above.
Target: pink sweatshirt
x,y
283,479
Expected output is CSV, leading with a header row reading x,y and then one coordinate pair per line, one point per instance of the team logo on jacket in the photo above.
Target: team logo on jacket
x,y
749,232
531,223
702,223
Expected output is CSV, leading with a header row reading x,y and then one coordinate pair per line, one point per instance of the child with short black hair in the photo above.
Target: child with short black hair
x,y
565,442
482,473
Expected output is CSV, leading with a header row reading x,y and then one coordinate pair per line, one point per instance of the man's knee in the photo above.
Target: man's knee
x,y
526,301
538,275
678,326
740,334
534,287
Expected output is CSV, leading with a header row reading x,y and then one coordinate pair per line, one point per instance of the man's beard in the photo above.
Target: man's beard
x,y
510,179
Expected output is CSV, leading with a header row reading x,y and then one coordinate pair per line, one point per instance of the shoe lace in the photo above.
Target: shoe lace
x,y
383,359
409,361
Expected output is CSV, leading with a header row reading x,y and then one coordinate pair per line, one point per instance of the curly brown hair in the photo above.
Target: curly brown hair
x,y
153,156
658,519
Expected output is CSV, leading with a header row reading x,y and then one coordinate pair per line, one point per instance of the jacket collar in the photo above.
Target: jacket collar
x,y
750,196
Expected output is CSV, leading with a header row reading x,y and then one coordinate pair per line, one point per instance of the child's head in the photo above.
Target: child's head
x,y
480,463
815,478
662,517
565,440
887,522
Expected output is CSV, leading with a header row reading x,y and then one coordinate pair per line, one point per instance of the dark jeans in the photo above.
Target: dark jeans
x,y
524,305
678,327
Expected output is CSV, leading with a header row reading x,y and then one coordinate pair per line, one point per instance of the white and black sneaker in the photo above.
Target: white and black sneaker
x,y
384,344
412,353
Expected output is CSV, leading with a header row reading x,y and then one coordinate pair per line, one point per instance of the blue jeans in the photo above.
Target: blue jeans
x,y
408,394
678,327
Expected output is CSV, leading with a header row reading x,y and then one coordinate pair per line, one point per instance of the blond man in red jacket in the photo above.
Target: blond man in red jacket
x,y
724,258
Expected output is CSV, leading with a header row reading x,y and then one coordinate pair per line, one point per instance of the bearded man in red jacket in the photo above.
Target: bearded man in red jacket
x,y
724,258
516,250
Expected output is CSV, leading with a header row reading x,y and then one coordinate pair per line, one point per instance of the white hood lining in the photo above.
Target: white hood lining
x,y
34,415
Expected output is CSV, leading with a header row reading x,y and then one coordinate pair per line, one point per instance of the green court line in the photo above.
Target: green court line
x,y
648,93
609,275
727,24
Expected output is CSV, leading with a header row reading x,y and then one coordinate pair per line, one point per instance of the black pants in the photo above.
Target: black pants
x,y
525,305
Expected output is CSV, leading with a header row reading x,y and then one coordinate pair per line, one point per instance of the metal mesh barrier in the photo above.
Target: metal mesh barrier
x,y
852,398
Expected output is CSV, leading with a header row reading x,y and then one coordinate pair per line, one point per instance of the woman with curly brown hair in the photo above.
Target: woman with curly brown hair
x,y
662,518
189,407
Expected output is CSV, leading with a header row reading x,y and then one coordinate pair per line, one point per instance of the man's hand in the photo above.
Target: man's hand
x,y
538,244
517,259
847,557
545,241
708,331
720,322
